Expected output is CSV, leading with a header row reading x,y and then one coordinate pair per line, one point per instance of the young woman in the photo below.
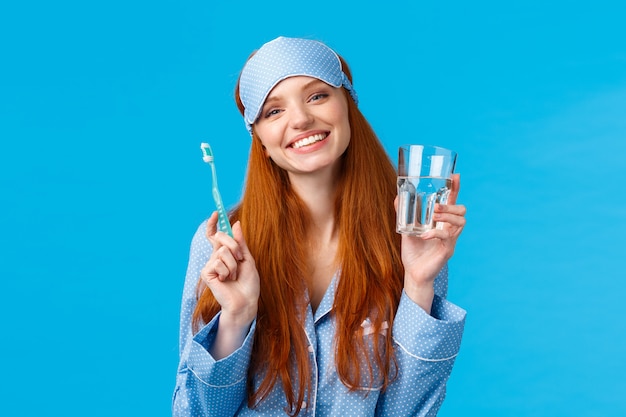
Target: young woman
x,y
316,307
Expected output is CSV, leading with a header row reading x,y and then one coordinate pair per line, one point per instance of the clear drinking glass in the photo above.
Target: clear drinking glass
x,y
424,179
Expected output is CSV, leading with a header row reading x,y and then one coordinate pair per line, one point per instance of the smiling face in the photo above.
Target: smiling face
x,y
304,125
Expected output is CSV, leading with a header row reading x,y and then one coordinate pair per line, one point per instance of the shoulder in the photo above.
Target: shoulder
x,y
200,250
200,241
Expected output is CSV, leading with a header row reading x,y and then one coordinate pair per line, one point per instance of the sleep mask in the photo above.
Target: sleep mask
x,y
283,58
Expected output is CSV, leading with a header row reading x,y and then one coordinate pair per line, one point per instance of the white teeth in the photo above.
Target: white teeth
x,y
309,140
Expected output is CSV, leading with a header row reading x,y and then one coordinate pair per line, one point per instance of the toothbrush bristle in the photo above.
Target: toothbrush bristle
x,y
207,154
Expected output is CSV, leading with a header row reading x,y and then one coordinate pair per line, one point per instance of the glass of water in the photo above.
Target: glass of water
x,y
424,179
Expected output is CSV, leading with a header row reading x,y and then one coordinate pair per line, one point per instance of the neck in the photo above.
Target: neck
x,y
317,191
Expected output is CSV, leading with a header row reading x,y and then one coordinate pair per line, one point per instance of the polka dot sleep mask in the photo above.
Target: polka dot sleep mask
x,y
283,58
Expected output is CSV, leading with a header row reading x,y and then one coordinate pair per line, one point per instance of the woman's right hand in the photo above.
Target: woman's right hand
x,y
232,277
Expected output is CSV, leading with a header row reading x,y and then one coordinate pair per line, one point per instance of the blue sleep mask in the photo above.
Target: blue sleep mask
x,y
283,58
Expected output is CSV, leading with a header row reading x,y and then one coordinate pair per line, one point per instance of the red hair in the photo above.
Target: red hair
x,y
274,219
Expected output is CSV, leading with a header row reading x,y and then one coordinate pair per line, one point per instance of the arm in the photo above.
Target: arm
x,y
232,277
427,329
424,257
426,347
206,386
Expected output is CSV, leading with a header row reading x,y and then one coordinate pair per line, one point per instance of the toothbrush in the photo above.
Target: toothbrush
x,y
223,223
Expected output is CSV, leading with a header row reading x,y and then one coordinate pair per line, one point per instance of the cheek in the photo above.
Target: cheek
x,y
267,154
345,127
342,117
268,135
257,137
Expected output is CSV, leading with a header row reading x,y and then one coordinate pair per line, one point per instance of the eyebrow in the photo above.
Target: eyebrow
x,y
313,81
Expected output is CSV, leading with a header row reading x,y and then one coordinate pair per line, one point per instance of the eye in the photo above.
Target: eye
x,y
319,96
271,112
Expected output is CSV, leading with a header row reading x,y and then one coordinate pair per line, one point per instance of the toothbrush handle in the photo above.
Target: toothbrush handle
x,y
223,222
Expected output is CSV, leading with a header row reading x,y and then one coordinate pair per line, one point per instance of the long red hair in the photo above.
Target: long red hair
x,y
274,219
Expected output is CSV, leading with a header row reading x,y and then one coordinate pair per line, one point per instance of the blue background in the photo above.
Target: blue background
x,y
103,106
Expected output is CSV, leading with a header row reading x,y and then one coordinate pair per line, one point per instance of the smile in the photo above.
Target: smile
x,y
309,140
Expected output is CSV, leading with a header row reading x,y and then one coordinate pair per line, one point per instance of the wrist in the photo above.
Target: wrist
x,y
240,321
231,333
421,294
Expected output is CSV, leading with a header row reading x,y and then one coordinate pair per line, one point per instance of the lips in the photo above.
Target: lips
x,y
309,140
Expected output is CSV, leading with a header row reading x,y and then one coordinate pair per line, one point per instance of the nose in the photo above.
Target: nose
x,y
300,117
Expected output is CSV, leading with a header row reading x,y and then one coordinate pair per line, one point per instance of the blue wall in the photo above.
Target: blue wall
x,y
103,107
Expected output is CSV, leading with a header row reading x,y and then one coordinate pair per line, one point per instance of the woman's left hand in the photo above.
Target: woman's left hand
x,y
423,257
